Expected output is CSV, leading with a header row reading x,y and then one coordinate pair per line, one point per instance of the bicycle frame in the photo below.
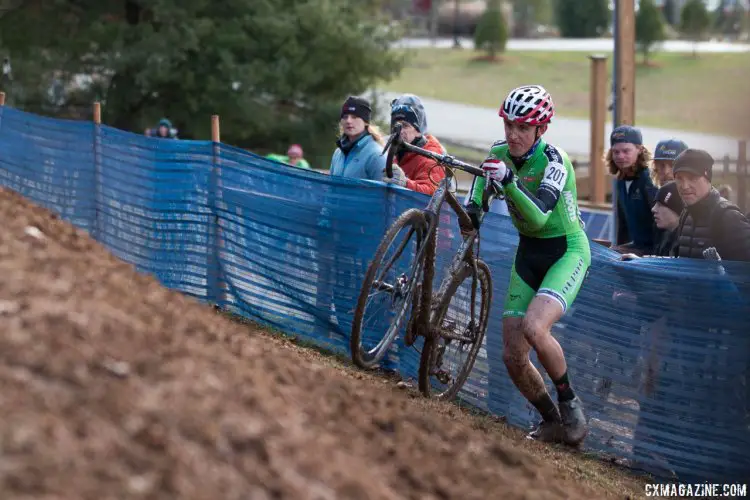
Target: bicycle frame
x,y
464,256
423,305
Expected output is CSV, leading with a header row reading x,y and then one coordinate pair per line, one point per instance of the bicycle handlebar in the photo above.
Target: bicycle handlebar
x,y
394,142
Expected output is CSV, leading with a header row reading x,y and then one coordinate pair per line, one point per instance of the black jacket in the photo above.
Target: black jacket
x,y
714,222
665,243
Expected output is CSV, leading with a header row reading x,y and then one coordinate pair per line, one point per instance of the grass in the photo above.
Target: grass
x,y
676,91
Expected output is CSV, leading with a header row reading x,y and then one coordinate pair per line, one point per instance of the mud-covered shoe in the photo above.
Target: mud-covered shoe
x,y
548,432
573,421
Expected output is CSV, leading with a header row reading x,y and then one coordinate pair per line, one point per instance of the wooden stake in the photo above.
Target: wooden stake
x,y
215,132
742,174
598,112
98,113
625,61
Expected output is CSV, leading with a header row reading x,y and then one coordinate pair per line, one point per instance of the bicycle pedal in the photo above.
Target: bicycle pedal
x,y
443,377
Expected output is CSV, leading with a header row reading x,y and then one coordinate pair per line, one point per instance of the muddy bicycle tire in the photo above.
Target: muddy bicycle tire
x,y
429,349
416,221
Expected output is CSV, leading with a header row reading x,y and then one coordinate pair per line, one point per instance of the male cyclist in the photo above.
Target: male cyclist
x,y
551,260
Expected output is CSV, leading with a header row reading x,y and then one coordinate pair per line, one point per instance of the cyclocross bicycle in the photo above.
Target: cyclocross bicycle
x,y
452,320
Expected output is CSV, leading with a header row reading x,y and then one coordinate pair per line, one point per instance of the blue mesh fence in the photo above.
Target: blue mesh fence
x,y
659,350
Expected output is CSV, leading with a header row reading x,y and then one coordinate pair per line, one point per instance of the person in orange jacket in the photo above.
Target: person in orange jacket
x,y
413,171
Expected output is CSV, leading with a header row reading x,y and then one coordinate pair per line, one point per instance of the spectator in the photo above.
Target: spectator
x,y
164,130
628,159
359,151
7,70
340,263
664,154
708,219
293,157
725,191
667,209
413,171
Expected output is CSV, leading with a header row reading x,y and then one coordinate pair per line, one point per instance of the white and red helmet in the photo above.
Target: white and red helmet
x,y
530,104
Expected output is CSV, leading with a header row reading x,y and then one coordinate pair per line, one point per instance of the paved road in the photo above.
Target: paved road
x,y
478,127
579,45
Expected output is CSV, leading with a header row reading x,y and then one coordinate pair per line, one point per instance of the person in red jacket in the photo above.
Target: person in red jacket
x,y
413,171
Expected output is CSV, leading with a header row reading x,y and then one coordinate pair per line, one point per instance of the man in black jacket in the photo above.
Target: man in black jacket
x,y
708,219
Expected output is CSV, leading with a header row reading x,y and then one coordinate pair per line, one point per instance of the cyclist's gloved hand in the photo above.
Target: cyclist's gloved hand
x,y
399,177
497,170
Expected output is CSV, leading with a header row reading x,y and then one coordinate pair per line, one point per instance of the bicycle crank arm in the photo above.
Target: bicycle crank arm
x,y
449,335
383,287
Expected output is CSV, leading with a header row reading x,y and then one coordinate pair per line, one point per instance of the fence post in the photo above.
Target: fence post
x,y
2,105
97,223
215,292
742,176
598,114
625,62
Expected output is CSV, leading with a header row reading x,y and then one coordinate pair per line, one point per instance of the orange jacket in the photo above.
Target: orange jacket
x,y
424,174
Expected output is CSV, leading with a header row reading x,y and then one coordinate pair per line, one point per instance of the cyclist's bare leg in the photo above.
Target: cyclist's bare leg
x,y
516,351
529,381
543,312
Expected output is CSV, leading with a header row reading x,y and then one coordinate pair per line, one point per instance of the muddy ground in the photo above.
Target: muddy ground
x,y
114,387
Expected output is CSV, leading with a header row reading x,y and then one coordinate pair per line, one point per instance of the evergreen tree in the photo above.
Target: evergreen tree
x,y
694,22
582,18
649,27
491,33
276,71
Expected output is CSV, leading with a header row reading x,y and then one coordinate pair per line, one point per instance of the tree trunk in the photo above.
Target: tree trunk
x,y
433,21
456,42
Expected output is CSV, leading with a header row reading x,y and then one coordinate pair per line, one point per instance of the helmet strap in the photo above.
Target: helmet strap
x,y
521,159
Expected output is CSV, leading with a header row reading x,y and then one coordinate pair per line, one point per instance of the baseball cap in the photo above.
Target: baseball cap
x,y
669,149
626,134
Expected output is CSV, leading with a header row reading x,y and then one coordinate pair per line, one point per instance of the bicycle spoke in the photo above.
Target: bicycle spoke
x,y
387,291
398,252
458,333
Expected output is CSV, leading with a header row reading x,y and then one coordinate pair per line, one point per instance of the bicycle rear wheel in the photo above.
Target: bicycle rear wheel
x,y
455,336
388,285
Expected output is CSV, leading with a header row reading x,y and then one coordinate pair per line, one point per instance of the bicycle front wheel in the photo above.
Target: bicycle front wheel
x,y
388,288
456,335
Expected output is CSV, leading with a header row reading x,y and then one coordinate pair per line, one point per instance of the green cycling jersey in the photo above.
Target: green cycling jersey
x,y
542,197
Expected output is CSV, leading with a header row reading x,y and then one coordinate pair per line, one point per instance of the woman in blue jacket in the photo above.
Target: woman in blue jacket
x,y
342,262
360,146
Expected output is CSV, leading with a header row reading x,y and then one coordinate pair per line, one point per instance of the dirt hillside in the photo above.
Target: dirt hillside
x,y
114,387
